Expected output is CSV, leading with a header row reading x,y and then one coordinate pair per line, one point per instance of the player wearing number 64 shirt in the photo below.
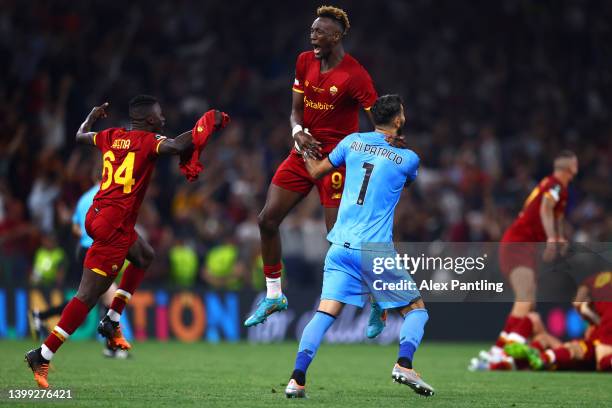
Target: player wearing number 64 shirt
x,y
129,159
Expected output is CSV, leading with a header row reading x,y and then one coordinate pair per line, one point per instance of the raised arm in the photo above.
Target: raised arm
x,y
84,134
318,168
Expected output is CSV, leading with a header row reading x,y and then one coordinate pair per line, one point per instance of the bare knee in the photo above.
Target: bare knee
x,y
419,304
148,255
88,296
268,225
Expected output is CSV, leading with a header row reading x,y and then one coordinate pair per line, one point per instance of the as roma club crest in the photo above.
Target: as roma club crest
x,y
333,90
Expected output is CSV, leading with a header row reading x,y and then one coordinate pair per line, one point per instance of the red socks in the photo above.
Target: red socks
x,y
605,363
560,357
511,322
516,329
73,316
273,271
129,283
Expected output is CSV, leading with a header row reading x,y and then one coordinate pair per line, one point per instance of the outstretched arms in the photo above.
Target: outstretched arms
x,y
84,134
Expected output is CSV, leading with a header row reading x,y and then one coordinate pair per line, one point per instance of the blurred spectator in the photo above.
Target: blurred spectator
x,y
49,263
183,264
223,269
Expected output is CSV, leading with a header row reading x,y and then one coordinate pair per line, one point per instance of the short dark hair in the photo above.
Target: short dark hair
x,y
140,106
386,108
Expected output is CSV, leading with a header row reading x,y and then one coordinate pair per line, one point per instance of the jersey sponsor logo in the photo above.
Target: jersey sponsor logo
x,y
122,144
333,90
317,105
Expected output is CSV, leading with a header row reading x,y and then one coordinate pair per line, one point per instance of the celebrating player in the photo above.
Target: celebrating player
x,y
376,175
594,351
329,87
541,220
85,241
129,157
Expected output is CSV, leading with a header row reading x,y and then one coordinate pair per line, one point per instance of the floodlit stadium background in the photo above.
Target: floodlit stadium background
x,y
492,93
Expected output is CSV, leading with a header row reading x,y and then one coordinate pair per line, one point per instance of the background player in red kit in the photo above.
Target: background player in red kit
x,y
129,157
329,88
594,351
541,220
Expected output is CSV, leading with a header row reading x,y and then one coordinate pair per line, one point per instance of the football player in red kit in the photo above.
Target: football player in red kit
x,y
330,87
129,157
594,351
541,220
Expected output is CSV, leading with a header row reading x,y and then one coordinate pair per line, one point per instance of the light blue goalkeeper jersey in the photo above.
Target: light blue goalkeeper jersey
x,y
375,177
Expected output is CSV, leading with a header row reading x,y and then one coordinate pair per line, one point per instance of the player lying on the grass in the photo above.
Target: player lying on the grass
x,y
129,157
78,228
376,175
329,89
594,351
540,220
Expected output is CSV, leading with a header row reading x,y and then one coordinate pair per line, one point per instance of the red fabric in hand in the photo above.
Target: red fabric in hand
x,y
190,163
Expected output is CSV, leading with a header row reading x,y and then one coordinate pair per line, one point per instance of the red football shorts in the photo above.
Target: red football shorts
x,y
293,176
515,252
110,247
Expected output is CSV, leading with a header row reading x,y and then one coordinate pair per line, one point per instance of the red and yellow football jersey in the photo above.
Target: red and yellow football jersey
x,y
528,225
332,99
129,158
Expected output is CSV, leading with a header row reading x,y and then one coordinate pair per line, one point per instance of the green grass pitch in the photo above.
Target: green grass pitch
x,y
244,375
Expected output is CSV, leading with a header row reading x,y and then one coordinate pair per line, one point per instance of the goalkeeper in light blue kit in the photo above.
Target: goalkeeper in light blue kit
x,y
376,174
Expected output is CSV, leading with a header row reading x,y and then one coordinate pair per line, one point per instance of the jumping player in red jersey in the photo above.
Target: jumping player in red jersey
x,y
329,88
541,220
129,157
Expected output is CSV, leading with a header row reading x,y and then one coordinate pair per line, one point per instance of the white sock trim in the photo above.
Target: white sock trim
x,y
551,356
124,293
274,289
46,353
516,338
62,332
114,316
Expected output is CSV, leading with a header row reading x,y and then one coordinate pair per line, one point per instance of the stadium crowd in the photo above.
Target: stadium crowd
x,y
492,92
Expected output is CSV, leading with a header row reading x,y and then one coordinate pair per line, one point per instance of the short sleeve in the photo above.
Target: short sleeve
x,y
363,89
553,190
300,74
159,139
101,138
413,169
337,157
